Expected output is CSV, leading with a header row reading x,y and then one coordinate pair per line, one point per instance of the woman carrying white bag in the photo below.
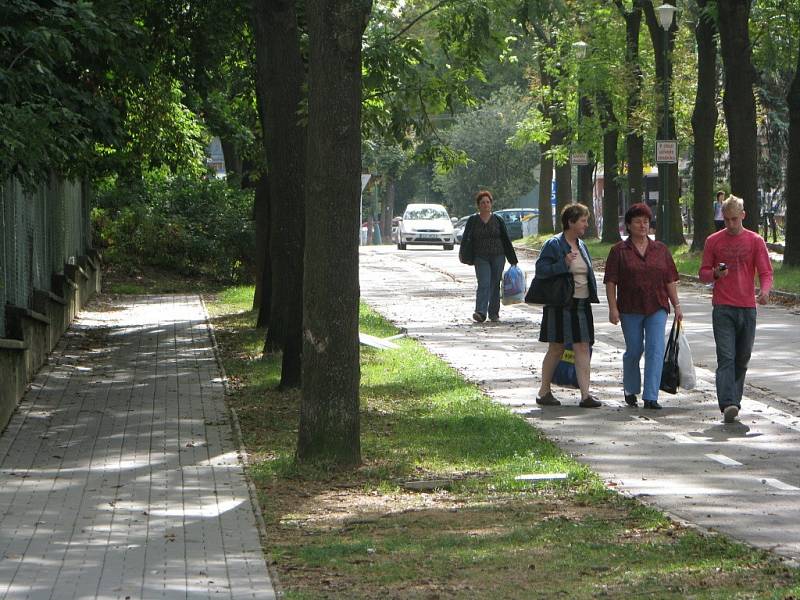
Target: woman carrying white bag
x,y
641,283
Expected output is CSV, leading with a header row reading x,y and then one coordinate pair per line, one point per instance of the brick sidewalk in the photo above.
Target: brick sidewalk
x,y
119,475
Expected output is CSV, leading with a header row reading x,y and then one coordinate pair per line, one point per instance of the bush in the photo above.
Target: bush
x,y
196,227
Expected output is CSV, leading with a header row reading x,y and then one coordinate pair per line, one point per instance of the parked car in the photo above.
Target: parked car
x,y
425,224
458,228
513,218
396,229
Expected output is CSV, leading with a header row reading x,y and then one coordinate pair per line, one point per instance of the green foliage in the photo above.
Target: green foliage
x,y
483,136
194,226
56,80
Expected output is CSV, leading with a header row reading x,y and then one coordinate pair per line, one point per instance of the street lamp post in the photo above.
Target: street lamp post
x,y
580,48
665,14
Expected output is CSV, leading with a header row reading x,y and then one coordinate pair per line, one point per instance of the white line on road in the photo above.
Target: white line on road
x,y
780,485
680,438
724,460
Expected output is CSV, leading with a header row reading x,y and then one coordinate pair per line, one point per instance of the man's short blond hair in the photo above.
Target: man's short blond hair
x,y
733,204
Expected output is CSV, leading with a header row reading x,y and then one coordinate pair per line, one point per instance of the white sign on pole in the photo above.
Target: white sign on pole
x,y
666,151
579,158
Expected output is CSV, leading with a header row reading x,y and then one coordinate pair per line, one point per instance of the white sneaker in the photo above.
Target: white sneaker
x,y
730,413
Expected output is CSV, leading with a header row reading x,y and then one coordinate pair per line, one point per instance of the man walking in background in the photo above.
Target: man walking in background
x,y
731,258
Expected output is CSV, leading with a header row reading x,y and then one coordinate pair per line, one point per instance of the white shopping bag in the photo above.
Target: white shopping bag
x,y
685,365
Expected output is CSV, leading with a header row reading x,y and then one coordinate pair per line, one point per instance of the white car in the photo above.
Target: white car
x,y
426,224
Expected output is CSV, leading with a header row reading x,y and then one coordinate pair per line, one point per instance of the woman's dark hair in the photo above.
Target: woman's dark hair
x,y
481,194
571,213
640,209
721,193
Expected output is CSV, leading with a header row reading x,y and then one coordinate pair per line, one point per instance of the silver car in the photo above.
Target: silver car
x,y
458,228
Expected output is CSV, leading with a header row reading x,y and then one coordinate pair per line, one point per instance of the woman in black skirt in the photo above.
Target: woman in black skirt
x,y
566,253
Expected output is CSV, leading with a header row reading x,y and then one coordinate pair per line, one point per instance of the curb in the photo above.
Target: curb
x,y
244,458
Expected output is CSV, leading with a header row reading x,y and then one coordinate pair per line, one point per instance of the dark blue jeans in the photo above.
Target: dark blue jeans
x,y
734,334
489,272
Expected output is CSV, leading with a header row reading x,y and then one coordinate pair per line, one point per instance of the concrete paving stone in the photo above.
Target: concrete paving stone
x,y
108,483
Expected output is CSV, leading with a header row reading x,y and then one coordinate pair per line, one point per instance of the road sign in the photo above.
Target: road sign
x,y
579,158
666,151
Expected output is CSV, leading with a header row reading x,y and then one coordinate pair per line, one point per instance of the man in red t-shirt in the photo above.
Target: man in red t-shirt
x,y
731,258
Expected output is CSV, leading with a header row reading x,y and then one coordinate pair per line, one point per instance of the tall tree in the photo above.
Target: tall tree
x,y
634,141
585,174
329,408
610,126
545,188
281,76
739,104
664,77
704,124
791,255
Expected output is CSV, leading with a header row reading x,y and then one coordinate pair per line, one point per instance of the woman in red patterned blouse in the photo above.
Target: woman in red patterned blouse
x,y
641,281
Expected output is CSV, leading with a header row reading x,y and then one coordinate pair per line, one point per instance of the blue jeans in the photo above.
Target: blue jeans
x,y
643,334
734,334
489,271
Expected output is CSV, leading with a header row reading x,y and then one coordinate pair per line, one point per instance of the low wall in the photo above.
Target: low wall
x,y
32,333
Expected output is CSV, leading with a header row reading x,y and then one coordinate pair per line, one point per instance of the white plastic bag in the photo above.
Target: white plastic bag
x,y
685,365
513,287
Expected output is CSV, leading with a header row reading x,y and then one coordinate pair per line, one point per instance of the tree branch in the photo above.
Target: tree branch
x,y
418,19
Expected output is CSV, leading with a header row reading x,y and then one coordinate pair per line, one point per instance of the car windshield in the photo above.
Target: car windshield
x,y
426,213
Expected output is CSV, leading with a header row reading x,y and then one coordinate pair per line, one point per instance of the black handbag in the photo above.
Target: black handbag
x,y
670,374
553,291
465,252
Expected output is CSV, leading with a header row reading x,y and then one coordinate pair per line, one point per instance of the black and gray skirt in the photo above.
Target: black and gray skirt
x,y
568,324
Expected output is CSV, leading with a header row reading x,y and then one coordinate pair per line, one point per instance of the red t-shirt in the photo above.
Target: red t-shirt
x,y
745,254
641,280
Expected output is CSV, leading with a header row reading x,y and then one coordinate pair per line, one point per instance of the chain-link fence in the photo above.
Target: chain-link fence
x,y
39,232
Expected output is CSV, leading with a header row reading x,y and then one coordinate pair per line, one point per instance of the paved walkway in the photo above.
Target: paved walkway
x,y
119,474
741,479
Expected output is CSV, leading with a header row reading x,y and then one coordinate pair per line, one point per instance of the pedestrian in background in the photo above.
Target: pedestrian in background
x,y
486,245
641,281
719,222
731,258
566,253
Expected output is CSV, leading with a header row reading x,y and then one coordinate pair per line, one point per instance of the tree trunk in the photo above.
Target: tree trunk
x,y
233,161
665,171
545,189
282,75
634,141
791,256
585,175
739,104
563,177
608,119
329,407
704,124
388,209
263,293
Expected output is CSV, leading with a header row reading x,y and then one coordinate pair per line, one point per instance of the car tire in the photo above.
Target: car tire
x,y
449,246
401,246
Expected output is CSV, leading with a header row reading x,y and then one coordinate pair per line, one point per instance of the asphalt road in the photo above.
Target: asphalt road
x,y
742,478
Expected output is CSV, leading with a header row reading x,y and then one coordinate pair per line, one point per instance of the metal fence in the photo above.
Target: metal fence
x,y
39,232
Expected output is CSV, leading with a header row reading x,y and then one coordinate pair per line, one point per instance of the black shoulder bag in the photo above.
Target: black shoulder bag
x,y
553,291
670,374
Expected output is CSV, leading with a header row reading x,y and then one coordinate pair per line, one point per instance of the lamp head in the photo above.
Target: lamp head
x,y
665,14
580,49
